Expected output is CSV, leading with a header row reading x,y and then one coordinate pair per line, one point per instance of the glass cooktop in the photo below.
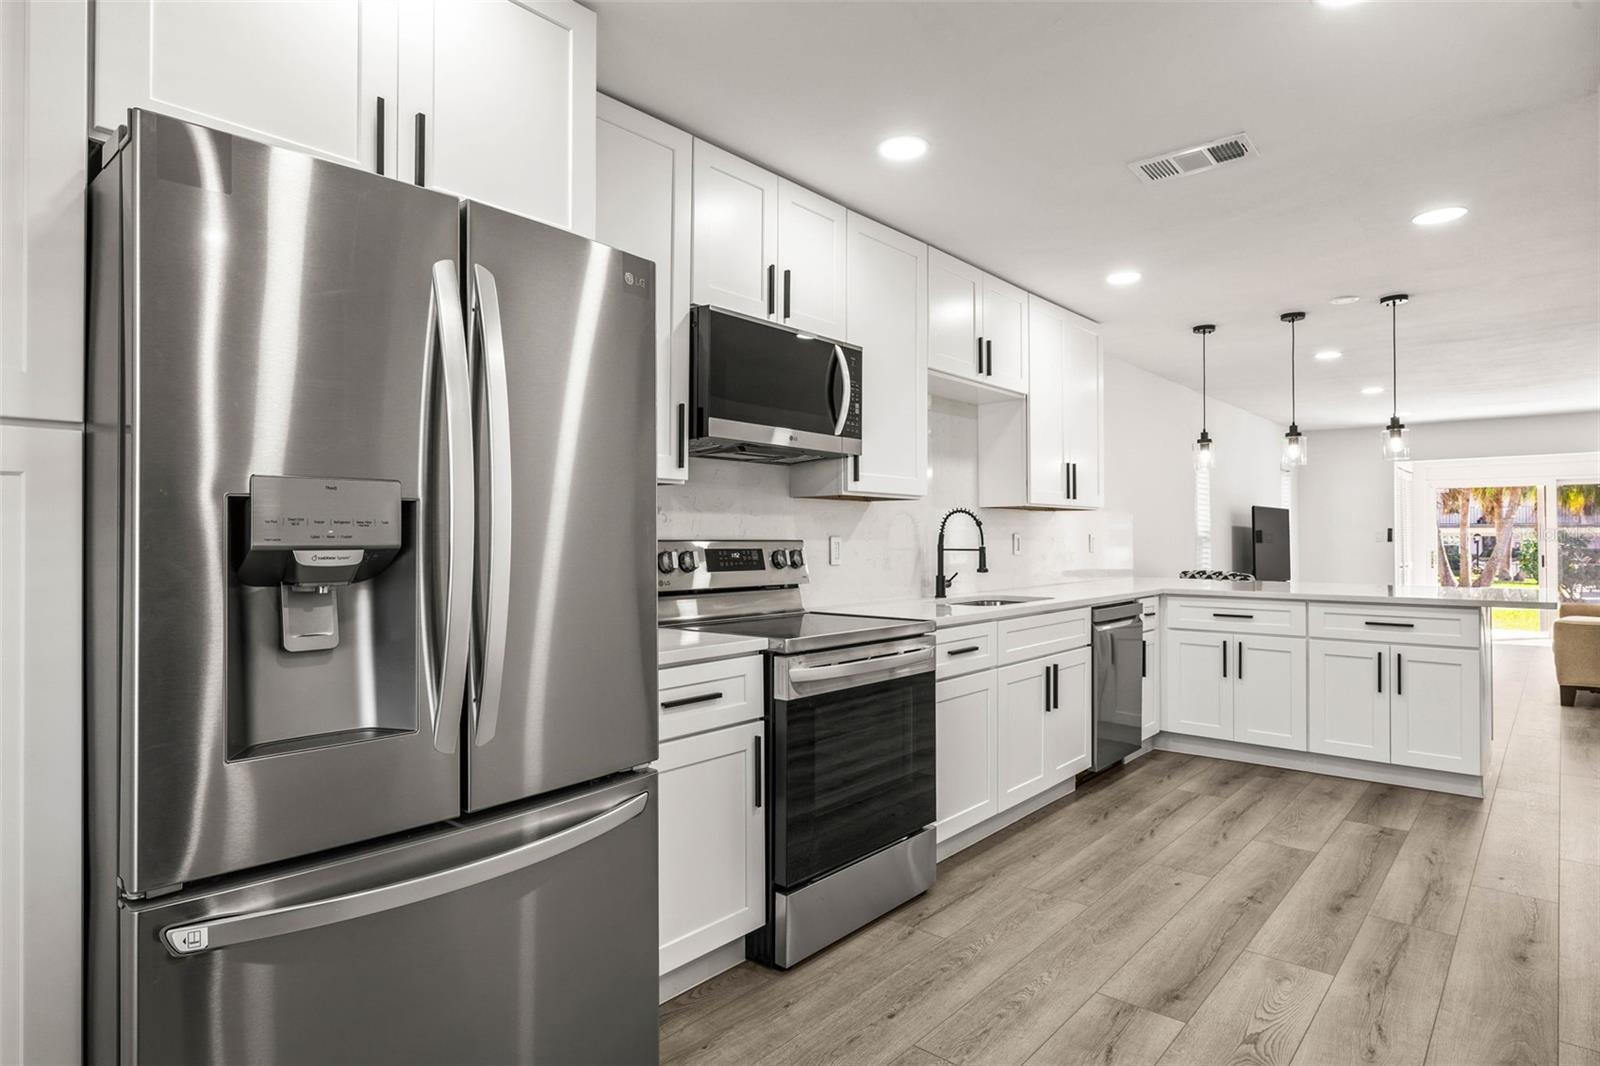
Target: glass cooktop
x,y
815,630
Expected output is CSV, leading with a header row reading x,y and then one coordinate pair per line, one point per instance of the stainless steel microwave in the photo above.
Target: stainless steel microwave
x,y
768,393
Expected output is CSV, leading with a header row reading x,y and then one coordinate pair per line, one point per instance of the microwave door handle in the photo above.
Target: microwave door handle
x,y
844,375
448,344
211,934
496,588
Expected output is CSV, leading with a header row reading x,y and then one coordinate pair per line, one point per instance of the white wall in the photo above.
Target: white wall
x,y
1347,487
1147,525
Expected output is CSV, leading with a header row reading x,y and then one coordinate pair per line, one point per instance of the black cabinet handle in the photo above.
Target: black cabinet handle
x,y
1144,658
759,789
1399,674
420,164
989,350
1393,625
1047,700
1056,670
1074,481
1379,657
1224,658
380,136
786,288
1240,663
1221,614
980,355
704,697
683,434
968,650
772,288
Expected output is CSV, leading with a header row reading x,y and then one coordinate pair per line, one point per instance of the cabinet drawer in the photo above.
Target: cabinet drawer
x,y
1237,616
964,650
1439,627
703,696
1150,613
1043,634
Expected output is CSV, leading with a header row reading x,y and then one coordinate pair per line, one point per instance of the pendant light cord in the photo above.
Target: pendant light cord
x,y
1293,412
1202,383
1394,357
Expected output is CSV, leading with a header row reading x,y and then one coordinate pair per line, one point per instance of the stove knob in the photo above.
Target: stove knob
x,y
796,560
780,558
665,562
686,562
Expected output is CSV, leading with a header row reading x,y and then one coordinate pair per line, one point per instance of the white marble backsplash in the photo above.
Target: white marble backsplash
x,y
889,544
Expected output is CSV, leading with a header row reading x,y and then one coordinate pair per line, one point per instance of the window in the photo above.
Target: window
x,y
1202,517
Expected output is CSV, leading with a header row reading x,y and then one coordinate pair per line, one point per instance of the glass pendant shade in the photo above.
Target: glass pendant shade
x,y
1294,448
1395,444
1204,456
1294,442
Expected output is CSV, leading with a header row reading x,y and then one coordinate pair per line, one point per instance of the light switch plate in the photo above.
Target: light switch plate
x,y
835,551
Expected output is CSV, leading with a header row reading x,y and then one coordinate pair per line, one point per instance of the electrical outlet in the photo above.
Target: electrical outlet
x,y
835,551
1016,544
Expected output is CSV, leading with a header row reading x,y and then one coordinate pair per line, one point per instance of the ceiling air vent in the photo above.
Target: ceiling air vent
x,y
1193,160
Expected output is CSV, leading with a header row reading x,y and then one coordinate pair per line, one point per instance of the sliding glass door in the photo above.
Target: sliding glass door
x,y
1489,536
1575,537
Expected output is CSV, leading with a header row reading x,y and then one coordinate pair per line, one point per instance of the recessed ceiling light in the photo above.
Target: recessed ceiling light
x,y
1123,277
1341,300
1328,354
1372,390
1438,216
903,149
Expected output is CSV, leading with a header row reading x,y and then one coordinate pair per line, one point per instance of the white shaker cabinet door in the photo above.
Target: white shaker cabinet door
x,y
712,842
735,233
1005,334
507,88
1082,406
1347,710
1434,709
812,262
1197,675
306,74
643,171
1067,726
967,725
1046,446
1023,767
1269,691
955,313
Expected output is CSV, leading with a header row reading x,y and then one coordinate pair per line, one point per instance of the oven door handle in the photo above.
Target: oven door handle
x,y
801,675
844,405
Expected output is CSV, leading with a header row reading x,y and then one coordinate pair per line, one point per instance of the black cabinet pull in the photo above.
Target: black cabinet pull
x,y
772,288
1393,625
420,165
980,355
1240,663
1221,614
683,434
759,789
786,288
1144,658
1074,480
1056,670
968,650
1047,701
704,697
1379,657
380,136
988,347
1224,658
1399,674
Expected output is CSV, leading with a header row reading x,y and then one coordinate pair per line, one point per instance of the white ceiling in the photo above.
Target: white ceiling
x,y
1362,115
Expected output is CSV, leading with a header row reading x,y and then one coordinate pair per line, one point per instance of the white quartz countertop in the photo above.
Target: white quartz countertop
x,y
1116,589
677,647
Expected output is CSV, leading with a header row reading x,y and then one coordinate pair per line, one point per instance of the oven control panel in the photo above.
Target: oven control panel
x,y
707,565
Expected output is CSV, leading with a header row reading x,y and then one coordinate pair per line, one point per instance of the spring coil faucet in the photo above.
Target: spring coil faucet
x,y
941,583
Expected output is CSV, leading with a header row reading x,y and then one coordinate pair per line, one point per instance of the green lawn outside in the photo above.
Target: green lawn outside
x,y
1520,619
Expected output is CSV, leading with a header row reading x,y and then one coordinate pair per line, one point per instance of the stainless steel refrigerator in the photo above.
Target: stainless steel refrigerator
x,y
371,657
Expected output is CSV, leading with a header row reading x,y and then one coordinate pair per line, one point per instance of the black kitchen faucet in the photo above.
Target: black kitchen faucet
x,y
940,582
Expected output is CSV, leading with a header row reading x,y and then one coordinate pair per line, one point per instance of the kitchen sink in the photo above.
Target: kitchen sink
x,y
997,601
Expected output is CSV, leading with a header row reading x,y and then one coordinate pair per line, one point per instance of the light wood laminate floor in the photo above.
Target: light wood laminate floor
x,y
1195,911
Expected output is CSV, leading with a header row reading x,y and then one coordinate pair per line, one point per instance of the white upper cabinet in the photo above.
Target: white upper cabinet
x,y
812,258
643,196
887,314
735,233
977,331
1083,410
307,75
506,91
492,100
1045,447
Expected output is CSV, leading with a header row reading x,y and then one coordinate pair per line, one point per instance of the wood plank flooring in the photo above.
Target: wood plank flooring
x,y
1187,910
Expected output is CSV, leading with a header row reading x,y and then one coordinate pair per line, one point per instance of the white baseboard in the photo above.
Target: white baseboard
x,y
1317,763
698,971
970,836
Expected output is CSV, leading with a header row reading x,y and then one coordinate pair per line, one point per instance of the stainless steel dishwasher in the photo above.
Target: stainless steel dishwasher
x,y
1118,643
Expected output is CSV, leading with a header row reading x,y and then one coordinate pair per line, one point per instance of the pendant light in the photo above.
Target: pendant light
x,y
1294,442
1395,445
1203,456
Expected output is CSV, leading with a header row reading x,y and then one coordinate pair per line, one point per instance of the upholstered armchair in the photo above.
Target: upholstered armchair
x,y
1577,646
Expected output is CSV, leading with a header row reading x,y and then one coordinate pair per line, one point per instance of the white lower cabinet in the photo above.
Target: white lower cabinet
x,y
712,841
1150,685
1250,689
1044,723
967,726
1067,739
1200,695
1435,709
1347,710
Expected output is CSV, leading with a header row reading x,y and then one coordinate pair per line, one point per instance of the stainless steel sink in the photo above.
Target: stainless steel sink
x,y
997,601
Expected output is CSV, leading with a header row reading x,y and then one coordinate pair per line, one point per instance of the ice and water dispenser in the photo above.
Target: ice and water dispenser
x,y
323,626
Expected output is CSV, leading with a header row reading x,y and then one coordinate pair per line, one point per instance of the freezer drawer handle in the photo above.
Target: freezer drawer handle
x,y
193,938
496,605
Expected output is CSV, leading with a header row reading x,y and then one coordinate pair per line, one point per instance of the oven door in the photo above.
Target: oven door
x,y
853,755
759,383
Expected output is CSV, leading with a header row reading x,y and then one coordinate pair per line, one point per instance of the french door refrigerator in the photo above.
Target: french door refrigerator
x,y
372,662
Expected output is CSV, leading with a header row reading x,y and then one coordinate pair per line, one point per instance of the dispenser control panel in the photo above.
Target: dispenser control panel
x,y
316,512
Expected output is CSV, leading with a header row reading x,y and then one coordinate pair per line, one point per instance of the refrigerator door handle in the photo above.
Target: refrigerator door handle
x,y
192,938
491,628
449,329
